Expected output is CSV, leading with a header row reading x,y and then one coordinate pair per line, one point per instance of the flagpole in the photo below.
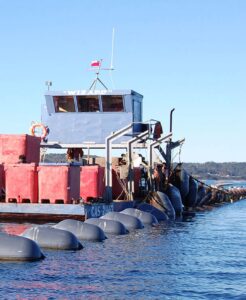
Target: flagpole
x,y
97,72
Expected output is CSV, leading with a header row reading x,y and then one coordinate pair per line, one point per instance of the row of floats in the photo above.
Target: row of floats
x,y
31,181
69,234
184,193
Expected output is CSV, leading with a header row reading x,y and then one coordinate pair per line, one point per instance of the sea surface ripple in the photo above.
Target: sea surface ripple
x,y
199,258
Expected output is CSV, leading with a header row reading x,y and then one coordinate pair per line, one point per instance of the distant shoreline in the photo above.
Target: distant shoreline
x,y
217,171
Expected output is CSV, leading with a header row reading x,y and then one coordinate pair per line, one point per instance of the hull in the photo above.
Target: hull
x,y
39,213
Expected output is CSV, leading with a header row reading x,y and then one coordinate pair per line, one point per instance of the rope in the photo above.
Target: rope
x,y
223,190
119,195
123,186
209,186
147,196
205,184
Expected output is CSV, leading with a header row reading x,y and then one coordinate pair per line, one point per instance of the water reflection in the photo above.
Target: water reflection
x,y
201,257
13,228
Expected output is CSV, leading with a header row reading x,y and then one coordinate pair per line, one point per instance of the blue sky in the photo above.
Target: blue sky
x,y
184,54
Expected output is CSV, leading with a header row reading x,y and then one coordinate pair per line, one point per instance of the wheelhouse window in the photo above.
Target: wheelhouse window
x,y
88,103
64,104
112,103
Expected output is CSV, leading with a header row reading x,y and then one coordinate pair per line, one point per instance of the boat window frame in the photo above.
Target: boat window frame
x,y
56,109
115,111
100,103
92,96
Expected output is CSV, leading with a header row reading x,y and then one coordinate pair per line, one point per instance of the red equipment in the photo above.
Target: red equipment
x,y
58,183
92,182
13,145
21,183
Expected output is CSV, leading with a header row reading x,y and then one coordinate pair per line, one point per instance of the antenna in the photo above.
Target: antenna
x,y
112,51
112,59
48,83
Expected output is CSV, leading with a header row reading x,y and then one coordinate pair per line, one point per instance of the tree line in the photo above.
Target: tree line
x,y
213,170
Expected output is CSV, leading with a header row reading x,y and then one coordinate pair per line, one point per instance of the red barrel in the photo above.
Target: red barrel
x,y
13,145
21,183
58,183
92,182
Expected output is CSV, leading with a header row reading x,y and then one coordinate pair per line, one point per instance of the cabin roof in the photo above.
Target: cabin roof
x,y
91,92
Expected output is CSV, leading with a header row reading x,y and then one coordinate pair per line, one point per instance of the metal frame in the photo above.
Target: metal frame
x,y
108,163
129,152
150,152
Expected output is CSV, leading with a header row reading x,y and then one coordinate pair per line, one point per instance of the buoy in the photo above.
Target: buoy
x,y
160,215
184,183
174,196
82,230
190,199
181,181
18,248
40,126
206,198
145,217
201,192
163,200
52,238
129,222
108,226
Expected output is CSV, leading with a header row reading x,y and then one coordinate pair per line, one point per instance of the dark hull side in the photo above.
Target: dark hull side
x,y
37,218
41,213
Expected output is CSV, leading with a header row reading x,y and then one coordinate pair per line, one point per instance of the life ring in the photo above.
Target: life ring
x,y
42,129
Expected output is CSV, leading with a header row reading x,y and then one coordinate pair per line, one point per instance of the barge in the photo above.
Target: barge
x,y
86,186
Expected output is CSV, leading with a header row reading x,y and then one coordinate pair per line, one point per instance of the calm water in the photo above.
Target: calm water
x,y
202,258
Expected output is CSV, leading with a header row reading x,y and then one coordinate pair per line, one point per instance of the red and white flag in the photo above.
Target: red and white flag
x,y
95,63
